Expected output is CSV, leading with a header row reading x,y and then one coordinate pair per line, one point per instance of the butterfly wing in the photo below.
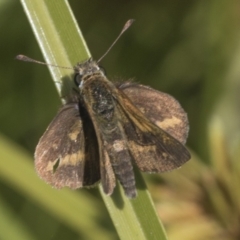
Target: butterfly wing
x,y
153,149
161,108
62,157
92,164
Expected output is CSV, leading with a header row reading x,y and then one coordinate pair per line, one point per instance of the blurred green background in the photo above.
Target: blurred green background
x,y
189,49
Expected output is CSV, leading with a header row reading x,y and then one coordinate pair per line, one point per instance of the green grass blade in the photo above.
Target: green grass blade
x,y
58,36
137,218
12,227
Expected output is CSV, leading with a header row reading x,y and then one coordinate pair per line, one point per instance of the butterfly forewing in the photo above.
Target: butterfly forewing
x,y
62,158
161,108
92,164
153,149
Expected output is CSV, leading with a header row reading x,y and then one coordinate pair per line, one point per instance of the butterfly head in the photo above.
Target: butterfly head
x,y
85,70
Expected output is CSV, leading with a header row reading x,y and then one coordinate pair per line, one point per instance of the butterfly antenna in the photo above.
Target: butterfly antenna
x,y
125,27
27,59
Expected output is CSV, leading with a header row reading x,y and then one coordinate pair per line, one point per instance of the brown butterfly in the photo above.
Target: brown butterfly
x,y
107,128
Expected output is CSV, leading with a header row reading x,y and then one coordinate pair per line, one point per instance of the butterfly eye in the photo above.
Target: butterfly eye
x,y
102,70
77,79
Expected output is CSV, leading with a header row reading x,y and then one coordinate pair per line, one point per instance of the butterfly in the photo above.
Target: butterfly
x,y
106,129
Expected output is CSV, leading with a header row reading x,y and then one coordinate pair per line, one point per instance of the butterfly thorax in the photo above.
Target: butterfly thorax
x,y
98,97
96,94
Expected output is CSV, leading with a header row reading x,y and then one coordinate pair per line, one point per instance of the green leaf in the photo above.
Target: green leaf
x,y
12,227
58,36
136,218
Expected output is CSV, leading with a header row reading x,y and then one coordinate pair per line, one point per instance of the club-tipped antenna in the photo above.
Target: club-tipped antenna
x,y
125,27
27,59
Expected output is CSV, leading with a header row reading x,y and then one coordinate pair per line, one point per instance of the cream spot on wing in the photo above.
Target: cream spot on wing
x,y
72,160
165,155
168,122
119,145
142,109
74,131
142,150
73,135
55,146
50,165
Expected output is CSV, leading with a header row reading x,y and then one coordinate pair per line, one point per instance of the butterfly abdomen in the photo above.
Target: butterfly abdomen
x,y
121,163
